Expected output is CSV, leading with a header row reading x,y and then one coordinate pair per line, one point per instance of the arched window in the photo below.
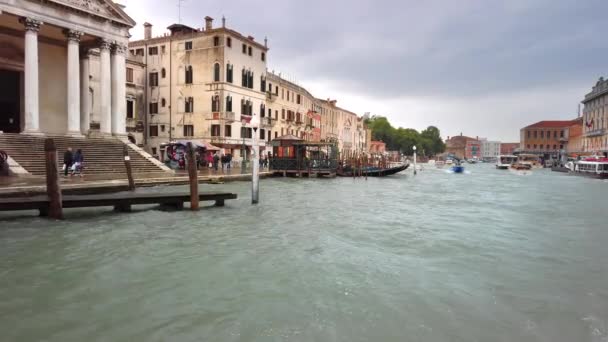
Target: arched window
x,y
215,103
189,74
216,72
163,73
262,110
229,75
229,103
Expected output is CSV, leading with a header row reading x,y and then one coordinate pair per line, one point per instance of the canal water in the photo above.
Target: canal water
x,y
483,256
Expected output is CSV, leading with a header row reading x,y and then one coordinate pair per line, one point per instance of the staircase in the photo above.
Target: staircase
x,y
102,156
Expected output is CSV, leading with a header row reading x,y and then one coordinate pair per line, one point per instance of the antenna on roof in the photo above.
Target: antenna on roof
x,y
179,11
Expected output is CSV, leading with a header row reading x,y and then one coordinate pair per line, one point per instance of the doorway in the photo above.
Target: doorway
x,y
10,101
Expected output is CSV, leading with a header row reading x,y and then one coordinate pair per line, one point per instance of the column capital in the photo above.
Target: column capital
x,y
104,44
119,49
30,24
72,35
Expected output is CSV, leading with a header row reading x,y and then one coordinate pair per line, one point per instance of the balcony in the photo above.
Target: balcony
x,y
224,116
266,121
133,125
596,132
299,122
290,119
270,96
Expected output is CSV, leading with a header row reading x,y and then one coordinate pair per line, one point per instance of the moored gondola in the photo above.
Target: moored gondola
x,y
348,171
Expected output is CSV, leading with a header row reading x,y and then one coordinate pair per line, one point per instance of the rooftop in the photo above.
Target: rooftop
x,y
553,124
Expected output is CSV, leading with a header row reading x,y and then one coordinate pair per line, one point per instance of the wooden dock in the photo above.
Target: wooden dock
x,y
121,201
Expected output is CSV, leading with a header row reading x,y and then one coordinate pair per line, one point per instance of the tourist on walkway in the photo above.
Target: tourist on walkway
x,y
210,160
77,162
67,161
224,160
216,160
228,160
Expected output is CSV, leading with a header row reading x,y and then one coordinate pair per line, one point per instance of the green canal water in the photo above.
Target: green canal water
x,y
483,256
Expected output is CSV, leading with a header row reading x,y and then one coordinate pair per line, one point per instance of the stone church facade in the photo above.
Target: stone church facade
x,y
63,67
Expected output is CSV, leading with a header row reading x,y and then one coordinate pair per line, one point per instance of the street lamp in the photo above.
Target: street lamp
x,y
414,159
255,173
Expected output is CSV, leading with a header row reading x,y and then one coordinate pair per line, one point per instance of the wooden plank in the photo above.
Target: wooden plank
x,y
121,201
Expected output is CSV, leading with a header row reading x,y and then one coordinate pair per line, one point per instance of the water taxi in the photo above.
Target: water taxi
x,y
530,159
592,167
505,161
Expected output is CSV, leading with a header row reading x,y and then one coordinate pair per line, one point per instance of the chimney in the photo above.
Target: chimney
x,y
266,45
208,23
223,21
147,30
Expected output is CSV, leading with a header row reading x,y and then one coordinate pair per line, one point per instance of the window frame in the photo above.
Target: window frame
x,y
187,129
153,130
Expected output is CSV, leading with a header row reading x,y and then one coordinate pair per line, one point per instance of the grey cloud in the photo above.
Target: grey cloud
x,y
445,49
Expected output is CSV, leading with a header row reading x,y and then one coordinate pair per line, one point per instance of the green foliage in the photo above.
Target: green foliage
x,y
428,142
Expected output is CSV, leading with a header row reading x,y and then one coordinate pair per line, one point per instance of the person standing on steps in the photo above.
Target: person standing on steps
x,y
67,161
78,160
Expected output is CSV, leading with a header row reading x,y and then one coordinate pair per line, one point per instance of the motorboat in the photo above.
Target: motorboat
x,y
592,167
532,160
457,169
503,162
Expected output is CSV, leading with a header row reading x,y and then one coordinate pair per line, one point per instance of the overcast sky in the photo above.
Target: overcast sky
x,y
479,67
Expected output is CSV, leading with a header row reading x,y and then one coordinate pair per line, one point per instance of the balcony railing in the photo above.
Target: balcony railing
x,y
266,121
227,116
596,132
299,122
290,119
270,96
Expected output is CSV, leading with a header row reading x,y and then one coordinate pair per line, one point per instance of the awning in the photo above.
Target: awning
x,y
196,143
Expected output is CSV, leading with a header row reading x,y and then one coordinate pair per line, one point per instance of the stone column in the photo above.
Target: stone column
x,y
119,105
73,82
105,88
31,90
85,98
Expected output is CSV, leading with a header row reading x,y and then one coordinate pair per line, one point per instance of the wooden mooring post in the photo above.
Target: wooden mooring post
x,y
193,176
125,152
55,207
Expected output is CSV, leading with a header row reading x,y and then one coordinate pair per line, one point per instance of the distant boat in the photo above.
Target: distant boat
x,y
505,161
371,171
457,169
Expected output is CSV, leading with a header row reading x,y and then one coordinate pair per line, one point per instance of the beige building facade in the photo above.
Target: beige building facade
x,y
45,53
595,119
203,84
291,108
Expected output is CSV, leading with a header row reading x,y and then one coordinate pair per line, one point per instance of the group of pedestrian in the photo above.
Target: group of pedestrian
x,y
264,162
72,162
215,160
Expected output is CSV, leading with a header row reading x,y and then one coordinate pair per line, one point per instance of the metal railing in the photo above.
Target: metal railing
x,y
266,121
595,132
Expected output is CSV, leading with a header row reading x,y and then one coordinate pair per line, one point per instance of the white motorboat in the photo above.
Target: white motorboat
x,y
503,162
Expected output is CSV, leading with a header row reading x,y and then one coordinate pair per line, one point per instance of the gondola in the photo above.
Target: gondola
x,y
371,171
